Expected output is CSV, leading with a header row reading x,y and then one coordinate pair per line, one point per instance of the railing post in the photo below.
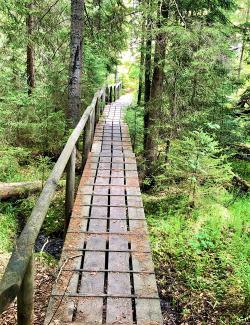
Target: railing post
x,y
103,100
70,188
107,95
25,297
92,125
86,141
97,111
118,91
110,95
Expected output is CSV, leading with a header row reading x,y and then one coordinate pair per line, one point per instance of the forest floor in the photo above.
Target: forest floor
x,y
201,280
45,271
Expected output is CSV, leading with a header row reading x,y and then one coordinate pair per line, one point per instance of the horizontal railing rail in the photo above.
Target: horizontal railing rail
x,y
17,280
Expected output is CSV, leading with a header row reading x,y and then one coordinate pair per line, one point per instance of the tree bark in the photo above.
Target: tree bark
x,y
30,50
142,59
13,190
147,72
155,102
21,189
243,43
241,183
97,17
75,71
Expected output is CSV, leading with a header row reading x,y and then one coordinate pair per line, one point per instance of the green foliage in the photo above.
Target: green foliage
x,y
14,216
38,121
8,228
54,221
17,164
198,79
242,168
197,160
134,118
11,159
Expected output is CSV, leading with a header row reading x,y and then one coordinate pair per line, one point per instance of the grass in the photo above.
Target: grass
x,y
206,256
242,168
14,214
8,228
134,119
23,166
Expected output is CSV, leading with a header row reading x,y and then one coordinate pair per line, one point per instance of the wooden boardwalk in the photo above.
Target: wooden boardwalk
x,y
107,274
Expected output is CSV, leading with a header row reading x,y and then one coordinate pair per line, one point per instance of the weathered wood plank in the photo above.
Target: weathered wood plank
x,y
108,218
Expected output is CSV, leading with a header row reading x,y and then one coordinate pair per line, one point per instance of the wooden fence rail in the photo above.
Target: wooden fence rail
x,y
17,280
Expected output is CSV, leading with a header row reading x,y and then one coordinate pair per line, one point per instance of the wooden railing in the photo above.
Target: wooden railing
x,y
17,280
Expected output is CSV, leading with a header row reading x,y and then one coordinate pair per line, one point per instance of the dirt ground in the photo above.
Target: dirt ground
x,y
44,278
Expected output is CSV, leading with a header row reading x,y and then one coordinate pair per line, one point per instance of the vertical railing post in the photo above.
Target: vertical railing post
x,y
92,125
110,95
118,91
103,100
25,297
107,95
70,188
97,111
86,141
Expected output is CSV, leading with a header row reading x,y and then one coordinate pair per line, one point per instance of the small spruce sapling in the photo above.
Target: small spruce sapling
x,y
197,160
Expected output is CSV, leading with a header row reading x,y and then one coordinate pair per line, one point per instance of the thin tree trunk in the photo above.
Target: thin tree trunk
x,y
142,59
30,50
147,72
75,71
243,43
97,18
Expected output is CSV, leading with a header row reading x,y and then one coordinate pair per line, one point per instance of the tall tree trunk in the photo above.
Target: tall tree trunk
x,y
30,50
97,17
142,59
147,72
243,43
155,103
75,71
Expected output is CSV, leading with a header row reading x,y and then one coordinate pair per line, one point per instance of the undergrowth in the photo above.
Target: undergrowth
x,y
201,251
18,165
8,228
202,258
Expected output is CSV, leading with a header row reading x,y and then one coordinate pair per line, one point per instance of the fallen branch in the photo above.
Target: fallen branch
x,y
241,183
243,151
20,189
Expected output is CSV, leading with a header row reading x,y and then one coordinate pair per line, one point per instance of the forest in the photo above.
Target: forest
x,y
186,65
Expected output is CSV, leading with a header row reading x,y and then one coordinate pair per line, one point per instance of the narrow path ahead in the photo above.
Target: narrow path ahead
x,y
107,274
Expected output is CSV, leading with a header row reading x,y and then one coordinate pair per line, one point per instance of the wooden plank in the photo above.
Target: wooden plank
x,y
120,309
148,313
108,216
92,282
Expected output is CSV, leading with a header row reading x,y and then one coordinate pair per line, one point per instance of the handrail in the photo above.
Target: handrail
x,y
19,269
